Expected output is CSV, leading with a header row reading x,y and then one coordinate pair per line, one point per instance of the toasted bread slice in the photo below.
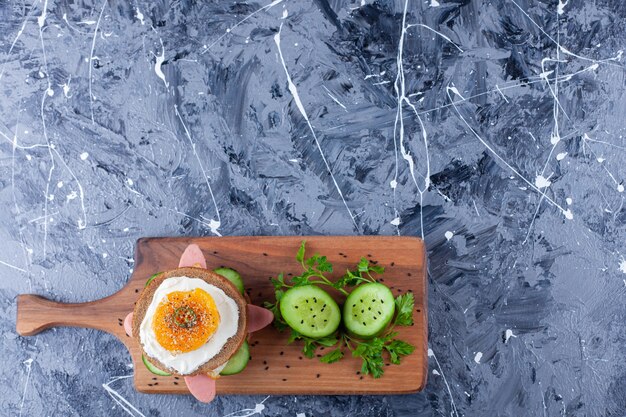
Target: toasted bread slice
x,y
231,346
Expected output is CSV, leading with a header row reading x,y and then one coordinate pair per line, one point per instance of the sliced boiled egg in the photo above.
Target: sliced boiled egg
x,y
187,323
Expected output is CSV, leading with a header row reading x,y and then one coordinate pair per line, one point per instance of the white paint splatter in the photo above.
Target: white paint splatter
x,y
449,235
157,65
84,156
247,412
121,401
568,200
285,14
443,36
434,3
91,56
214,224
139,16
568,214
393,184
60,184
508,334
561,156
41,20
436,372
396,221
300,106
455,91
542,182
622,265
50,92
620,188
560,8
478,357
600,159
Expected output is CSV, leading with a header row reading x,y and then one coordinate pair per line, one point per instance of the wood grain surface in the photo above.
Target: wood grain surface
x,y
275,368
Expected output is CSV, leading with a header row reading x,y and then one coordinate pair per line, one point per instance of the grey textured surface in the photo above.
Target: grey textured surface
x,y
122,119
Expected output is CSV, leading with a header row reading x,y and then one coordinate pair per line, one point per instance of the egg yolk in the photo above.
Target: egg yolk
x,y
185,320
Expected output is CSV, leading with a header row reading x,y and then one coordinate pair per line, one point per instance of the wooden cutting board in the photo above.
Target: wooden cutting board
x,y
275,368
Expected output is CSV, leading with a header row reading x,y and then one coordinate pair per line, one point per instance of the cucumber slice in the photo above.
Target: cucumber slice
x,y
231,275
238,361
152,277
368,310
153,368
310,311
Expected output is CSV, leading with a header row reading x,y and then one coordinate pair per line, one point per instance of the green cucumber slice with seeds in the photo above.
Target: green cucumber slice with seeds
x,y
231,275
368,310
152,277
153,368
310,311
238,361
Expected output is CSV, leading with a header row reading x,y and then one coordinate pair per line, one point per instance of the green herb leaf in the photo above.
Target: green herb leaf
x,y
327,341
294,336
300,254
278,282
309,348
397,349
332,356
404,309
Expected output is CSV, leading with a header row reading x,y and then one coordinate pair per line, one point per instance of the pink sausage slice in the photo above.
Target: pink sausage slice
x,y
128,324
202,387
258,317
192,256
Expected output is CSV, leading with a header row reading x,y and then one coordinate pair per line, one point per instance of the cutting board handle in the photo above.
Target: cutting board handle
x,y
35,314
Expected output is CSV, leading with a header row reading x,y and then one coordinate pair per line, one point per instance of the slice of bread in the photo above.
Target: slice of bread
x,y
229,348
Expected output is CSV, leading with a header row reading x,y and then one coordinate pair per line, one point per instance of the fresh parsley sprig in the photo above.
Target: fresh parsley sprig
x,y
373,351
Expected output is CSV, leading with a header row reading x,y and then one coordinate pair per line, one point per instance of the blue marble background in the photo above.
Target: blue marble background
x,y
494,129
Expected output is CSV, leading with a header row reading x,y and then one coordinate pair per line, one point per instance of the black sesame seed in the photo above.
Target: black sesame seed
x,y
318,355
302,321
284,379
374,317
282,353
353,305
264,362
154,379
312,326
360,377
314,315
369,308
393,263
267,367
362,311
300,357
137,290
364,324
264,254
317,376
325,320
175,383
296,306
287,366
306,300
176,377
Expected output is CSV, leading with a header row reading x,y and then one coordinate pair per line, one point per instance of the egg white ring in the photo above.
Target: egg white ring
x,y
188,362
